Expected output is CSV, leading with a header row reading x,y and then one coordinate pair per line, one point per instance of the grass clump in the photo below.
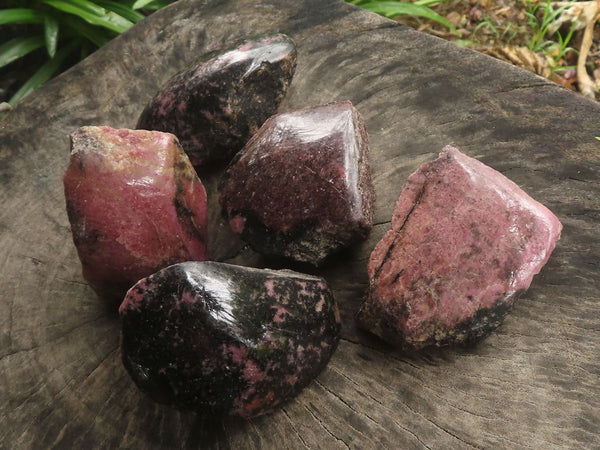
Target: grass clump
x,y
418,8
51,35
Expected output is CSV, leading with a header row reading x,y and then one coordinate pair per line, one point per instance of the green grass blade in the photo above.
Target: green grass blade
x,y
139,4
429,2
122,10
19,47
108,20
156,5
77,27
393,9
51,35
88,6
43,74
15,16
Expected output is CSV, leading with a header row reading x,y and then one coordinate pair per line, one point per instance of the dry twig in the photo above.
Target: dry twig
x,y
582,15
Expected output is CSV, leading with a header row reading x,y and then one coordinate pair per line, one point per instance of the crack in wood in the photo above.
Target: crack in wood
x,y
64,280
384,26
59,436
257,434
10,324
72,379
581,180
287,415
435,424
455,436
366,394
101,362
51,341
322,425
30,395
383,354
524,86
341,399
514,444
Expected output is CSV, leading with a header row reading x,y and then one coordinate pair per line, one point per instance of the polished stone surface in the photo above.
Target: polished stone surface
x,y
214,107
135,205
220,339
301,187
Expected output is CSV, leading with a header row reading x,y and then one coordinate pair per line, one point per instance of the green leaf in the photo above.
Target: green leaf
x,y
393,9
139,4
87,6
51,34
43,74
92,14
429,2
76,27
19,16
464,42
122,10
19,47
156,4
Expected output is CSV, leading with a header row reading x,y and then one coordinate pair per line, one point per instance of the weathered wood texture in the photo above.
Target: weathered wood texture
x,y
532,384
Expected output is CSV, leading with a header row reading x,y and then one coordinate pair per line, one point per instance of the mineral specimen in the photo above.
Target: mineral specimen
x,y
220,339
135,205
464,243
214,107
301,187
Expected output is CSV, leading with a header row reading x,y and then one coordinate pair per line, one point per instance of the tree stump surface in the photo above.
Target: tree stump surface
x,y
533,383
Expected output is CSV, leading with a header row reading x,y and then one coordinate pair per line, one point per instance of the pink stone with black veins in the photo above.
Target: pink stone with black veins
x,y
214,107
464,243
135,205
301,187
220,339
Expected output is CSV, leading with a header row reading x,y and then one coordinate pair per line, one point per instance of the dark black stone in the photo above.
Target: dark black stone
x,y
215,107
221,339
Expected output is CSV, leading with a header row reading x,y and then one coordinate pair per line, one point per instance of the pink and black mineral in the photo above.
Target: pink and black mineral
x,y
464,243
215,107
224,340
135,205
301,188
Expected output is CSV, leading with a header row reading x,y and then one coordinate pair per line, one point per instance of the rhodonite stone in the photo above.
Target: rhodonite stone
x,y
220,339
214,107
464,243
135,205
301,188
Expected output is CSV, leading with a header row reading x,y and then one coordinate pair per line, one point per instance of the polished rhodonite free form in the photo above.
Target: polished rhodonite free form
x,y
301,188
135,205
214,107
465,242
221,339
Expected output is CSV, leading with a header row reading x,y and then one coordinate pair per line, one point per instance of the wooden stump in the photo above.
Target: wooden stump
x,y
534,383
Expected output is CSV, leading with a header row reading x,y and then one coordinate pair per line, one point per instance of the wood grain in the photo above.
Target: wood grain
x,y
534,383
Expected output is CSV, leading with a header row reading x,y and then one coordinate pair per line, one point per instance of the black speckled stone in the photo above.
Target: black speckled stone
x,y
301,188
221,339
215,107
